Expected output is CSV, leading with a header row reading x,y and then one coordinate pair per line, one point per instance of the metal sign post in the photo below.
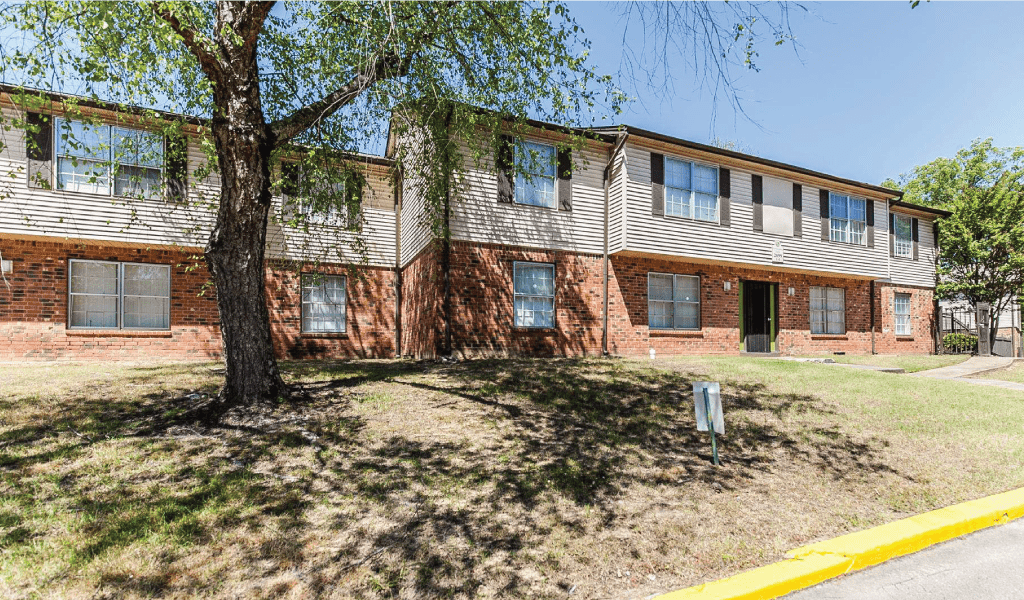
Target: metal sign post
x,y
707,405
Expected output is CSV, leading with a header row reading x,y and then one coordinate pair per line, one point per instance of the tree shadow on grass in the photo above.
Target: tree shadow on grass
x,y
424,515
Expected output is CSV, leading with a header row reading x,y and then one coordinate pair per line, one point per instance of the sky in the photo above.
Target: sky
x,y
874,89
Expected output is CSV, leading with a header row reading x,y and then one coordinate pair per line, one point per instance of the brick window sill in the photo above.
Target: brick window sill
x,y
904,338
122,333
818,336
674,333
315,335
535,330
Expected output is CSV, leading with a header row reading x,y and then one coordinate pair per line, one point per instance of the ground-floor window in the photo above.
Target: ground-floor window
x,y
115,295
828,310
534,292
901,308
673,301
323,303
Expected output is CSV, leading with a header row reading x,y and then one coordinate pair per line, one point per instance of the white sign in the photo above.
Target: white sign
x,y
715,399
777,255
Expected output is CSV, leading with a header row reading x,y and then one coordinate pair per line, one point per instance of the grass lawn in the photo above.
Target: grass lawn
x,y
908,362
499,478
1014,373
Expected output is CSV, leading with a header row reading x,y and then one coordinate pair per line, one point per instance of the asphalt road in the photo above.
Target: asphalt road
x,y
986,564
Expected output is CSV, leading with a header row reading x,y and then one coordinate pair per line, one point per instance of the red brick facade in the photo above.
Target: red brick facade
x,y
34,311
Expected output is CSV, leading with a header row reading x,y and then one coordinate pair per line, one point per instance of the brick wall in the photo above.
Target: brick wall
x,y
421,305
33,313
922,321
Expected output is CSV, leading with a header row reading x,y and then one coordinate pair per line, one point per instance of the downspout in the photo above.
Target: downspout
x,y
446,255
398,265
607,220
871,291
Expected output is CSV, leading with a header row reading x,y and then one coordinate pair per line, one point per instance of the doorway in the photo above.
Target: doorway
x,y
758,319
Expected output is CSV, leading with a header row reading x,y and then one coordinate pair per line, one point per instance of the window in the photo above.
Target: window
x,y
323,304
91,157
848,219
111,295
330,206
828,310
691,190
535,174
901,308
673,301
904,243
534,291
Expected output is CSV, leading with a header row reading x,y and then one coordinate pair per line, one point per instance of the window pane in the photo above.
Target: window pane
x,y
659,287
817,321
677,174
93,278
857,229
836,298
534,311
705,207
138,148
536,159
705,179
93,311
838,207
80,175
81,140
535,280
838,230
323,304
687,288
677,202
660,314
147,280
687,315
138,182
146,313
857,211
535,190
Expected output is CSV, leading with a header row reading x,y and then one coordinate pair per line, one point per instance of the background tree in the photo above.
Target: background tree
x,y
329,76
982,243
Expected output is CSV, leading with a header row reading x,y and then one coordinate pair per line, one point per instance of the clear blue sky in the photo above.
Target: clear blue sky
x,y
877,88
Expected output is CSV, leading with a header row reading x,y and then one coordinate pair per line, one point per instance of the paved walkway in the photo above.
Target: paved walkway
x,y
986,564
973,366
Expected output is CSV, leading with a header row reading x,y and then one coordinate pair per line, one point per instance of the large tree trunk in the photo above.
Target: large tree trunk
x,y
235,252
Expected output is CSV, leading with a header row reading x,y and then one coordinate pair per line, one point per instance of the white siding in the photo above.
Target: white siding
x,y
477,216
920,272
739,243
617,204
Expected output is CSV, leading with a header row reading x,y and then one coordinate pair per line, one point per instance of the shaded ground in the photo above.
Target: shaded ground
x,y
911,363
504,478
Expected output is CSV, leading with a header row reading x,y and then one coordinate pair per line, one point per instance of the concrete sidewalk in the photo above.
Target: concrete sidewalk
x,y
973,366
986,564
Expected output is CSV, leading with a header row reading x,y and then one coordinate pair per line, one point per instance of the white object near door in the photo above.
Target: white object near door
x,y
777,255
715,399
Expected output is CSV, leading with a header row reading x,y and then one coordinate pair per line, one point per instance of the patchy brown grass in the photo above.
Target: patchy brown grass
x,y
501,478
910,363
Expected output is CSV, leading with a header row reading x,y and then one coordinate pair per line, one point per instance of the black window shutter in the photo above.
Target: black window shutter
x,y
823,210
869,207
290,179
914,235
40,151
724,201
657,184
565,180
757,191
505,163
935,235
798,210
176,156
892,234
353,201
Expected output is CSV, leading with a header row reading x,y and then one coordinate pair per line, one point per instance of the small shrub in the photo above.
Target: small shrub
x,y
960,341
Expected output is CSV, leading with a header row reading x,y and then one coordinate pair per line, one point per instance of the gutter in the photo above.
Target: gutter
x,y
607,220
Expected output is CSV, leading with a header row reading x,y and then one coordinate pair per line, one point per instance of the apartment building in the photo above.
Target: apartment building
x,y
636,242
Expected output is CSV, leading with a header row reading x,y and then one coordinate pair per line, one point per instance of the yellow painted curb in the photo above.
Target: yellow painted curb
x,y
814,563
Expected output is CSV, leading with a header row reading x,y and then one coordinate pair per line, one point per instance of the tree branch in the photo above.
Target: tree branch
x,y
197,43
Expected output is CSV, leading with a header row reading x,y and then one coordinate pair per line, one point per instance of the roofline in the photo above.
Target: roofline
x,y
163,114
754,159
938,212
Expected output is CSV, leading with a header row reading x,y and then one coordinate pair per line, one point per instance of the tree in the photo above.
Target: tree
x,y
325,76
982,243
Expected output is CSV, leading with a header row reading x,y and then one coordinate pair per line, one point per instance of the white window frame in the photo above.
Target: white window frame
x,y
110,164
903,248
825,312
674,302
841,230
334,217
521,175
516,295
691,192
902,321
303,304
120,295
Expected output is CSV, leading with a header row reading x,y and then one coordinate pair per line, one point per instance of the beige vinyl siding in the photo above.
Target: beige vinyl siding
x,y
739,243
920,272
416,230
477,216
617,204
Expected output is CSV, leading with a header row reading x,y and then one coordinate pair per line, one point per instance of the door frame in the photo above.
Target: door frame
x,y
773,313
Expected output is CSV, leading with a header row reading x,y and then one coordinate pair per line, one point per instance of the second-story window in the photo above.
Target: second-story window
x,y
104,159
691,190
535,174
903,244
330,206
848,219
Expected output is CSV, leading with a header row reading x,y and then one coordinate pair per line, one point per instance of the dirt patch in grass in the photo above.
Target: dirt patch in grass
x,y
502,478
